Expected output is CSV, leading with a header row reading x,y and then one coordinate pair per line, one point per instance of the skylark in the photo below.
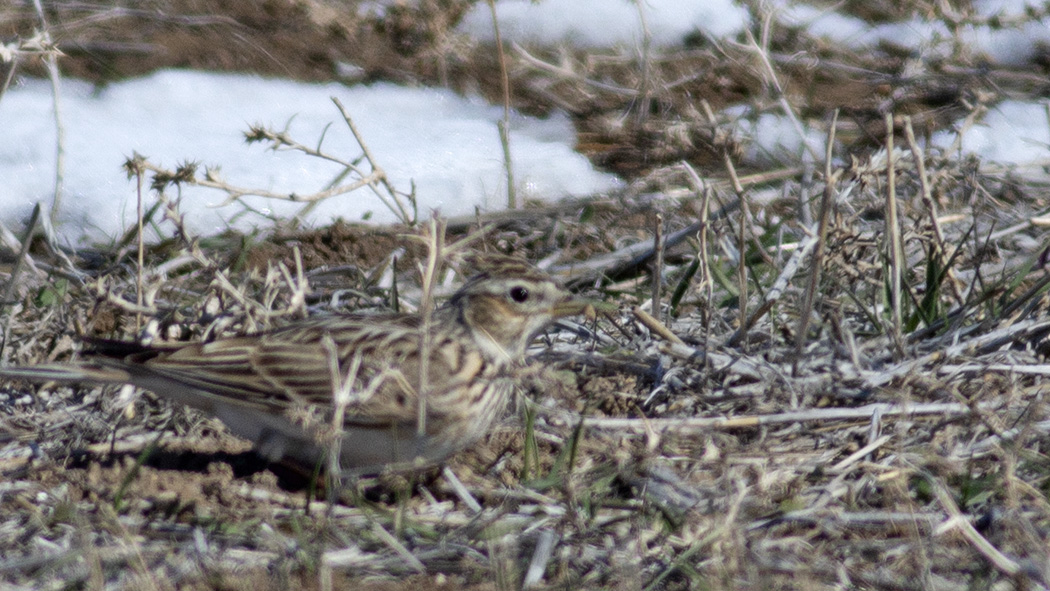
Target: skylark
x,y
408,395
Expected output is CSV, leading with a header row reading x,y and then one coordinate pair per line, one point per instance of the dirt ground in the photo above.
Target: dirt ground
x,y
794,418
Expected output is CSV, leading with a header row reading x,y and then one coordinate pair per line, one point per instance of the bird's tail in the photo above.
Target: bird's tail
x,y
67,374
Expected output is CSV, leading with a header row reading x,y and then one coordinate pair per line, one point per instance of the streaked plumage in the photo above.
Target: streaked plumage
x,y
277,388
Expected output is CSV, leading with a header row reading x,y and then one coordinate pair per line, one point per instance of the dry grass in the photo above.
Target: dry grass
x,y
838,394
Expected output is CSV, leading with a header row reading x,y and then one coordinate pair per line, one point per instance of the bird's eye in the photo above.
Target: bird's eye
x,y
519,294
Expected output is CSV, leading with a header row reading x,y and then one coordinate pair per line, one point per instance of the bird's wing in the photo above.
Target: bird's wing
x,y
303,365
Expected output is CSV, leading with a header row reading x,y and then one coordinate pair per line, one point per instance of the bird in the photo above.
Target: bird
x,y
386,392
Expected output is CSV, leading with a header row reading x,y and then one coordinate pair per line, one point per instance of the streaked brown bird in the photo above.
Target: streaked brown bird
x,y
410,396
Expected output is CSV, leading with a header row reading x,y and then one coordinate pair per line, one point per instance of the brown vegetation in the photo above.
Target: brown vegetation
x,y
826,392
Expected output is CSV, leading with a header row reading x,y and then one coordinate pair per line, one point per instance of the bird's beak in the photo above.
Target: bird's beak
x,y
574,307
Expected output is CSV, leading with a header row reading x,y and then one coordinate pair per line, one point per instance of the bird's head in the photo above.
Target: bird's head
x,y
509,303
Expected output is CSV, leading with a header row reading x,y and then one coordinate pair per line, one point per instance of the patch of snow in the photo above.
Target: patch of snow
x,y
1012,133
447,145
605,23
775,139
1007,45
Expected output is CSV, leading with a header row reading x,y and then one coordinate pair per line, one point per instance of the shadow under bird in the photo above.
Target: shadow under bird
x,y
279,388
